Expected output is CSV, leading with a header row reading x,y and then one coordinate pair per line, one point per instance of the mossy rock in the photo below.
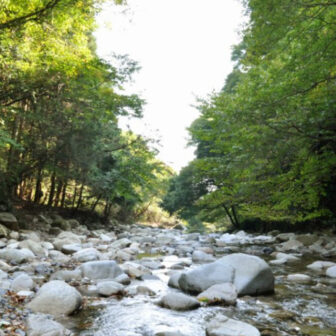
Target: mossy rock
x,y
4,232
62,224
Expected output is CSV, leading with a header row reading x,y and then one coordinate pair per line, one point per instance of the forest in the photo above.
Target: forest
x,y
265,144
100,237
60,142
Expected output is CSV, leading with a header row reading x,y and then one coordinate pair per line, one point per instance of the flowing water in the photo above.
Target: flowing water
x,y
294,309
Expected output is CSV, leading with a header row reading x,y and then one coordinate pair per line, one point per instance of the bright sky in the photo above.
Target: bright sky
x,y
184,50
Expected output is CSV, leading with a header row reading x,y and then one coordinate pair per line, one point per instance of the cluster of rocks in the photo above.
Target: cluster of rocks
x,y
51,272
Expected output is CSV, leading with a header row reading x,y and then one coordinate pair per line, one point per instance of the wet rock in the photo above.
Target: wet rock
x,y
224,326
290,245
202,257
283,258
56,298
22,282
331,272
307,239
285,236
225,293
299,278
106,269
283,315
123,278
178,301
205,276
151,264
250,274
88,254
144,290
135,270
174,280
108,288
43,325
320,265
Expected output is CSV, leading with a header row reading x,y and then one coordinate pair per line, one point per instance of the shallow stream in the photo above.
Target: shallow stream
x,y
295,309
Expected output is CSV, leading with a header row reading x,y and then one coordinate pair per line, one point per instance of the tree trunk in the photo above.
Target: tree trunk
x,y
79,202
52,189
93,208
38,190
64,193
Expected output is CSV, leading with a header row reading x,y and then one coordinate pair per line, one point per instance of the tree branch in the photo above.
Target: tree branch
x,y
29,17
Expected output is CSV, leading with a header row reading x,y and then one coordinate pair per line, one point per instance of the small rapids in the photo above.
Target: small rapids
x,y
298,309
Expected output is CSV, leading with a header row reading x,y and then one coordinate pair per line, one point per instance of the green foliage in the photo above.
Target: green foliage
x,y
184,189
195,225
266,143
60,143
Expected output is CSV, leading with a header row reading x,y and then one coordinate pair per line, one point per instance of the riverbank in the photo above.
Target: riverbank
x,y
62,278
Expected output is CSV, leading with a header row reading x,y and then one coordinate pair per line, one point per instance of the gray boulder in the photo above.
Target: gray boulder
x,y
66,238
205,276
108,288
88,254
22,282
43,325
224,326
250,274
95,270
34,246
16,256
56,298
331,272
178,301
225,293
321,265
174,280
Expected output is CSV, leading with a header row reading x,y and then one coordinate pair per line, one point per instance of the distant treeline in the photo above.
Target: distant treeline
x,y
266,143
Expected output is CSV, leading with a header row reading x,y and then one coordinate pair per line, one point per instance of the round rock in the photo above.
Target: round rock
x,y
56,298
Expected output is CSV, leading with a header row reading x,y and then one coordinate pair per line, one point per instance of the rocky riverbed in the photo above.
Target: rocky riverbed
x,y
134,280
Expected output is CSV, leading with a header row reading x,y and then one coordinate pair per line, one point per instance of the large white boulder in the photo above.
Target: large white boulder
x,y
16,256
56,298
250,274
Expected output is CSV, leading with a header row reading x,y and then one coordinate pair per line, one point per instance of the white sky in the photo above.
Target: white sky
x,y
184,50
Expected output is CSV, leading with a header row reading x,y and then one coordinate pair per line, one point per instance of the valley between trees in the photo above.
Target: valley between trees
x,y
265,144
74,186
